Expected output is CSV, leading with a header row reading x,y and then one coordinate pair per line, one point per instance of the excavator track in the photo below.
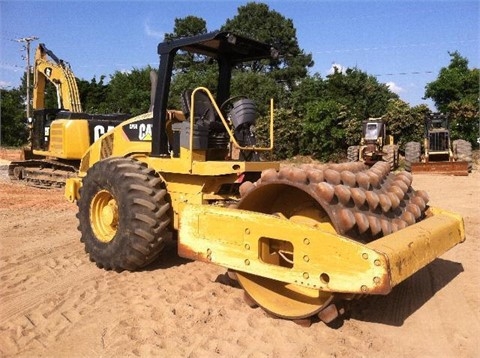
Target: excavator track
x,y
360,202
41,173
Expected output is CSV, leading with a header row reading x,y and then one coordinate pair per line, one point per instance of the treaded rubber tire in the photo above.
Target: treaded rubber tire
x,y
391,157
462,151
352,153
143,223
412,154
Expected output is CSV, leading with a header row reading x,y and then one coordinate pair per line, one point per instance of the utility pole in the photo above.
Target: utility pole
x,y
27,41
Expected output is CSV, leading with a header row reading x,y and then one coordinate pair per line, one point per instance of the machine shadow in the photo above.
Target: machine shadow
x,y
406,298
392,309
168,258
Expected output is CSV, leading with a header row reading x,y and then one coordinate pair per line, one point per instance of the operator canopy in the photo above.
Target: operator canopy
x,y
221,44
226,48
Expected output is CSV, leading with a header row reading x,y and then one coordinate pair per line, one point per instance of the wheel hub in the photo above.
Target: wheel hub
x,y
110,214
104,216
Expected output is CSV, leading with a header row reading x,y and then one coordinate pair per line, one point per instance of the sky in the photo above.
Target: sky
x,y
403,43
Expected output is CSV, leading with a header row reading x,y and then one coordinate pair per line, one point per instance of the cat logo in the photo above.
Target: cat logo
x,y
145,131
100,130
139,131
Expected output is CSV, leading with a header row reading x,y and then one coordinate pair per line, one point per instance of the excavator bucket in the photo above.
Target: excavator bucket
x,y
449,168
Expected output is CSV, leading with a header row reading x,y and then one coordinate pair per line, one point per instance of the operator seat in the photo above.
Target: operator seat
x,y
206,116
204,110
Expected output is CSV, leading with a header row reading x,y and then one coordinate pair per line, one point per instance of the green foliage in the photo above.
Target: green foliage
x,y
314,116
186,27
93,95
287,134
323,132
257,21
454,83
51,98
13,117
257,87
363,95
353,96
201,77
405,123
307,90
464,121
189,70
129,92
456,92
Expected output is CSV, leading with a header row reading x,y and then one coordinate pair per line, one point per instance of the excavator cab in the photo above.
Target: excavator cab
x,y
41,121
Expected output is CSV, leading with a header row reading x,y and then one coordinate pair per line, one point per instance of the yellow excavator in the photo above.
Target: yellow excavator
x,y
299,240
58,137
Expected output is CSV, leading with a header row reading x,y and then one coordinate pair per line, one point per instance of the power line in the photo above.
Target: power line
x,y
393,47
404,73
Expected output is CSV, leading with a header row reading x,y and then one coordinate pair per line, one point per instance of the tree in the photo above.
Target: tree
x,y
258,88
257,21
454,83
129,92
361,96
323,133
13,126
464,121
456,92
405,123
93,95
288,133
187,27
189,70
361,93
309,89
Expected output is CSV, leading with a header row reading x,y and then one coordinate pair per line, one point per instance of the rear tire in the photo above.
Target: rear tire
x,y
392,156
352,153
124,218
462,151
412,154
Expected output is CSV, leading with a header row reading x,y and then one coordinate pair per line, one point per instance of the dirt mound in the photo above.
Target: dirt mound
x,y
10,154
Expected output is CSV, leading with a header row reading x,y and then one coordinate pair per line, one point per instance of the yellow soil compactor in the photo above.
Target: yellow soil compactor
x,y
297,239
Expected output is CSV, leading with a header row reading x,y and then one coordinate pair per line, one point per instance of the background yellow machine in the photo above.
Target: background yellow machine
x,y
375,145
297,239
59,136
440,154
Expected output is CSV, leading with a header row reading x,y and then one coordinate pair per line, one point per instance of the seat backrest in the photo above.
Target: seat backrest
x,y
203,107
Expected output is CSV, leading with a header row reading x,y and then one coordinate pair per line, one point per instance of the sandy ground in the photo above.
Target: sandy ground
x,y
55,303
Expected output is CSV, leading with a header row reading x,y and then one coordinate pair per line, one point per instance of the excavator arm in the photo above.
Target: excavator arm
x,y
59,73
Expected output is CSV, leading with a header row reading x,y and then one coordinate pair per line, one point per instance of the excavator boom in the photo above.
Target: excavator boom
x,y
59,73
